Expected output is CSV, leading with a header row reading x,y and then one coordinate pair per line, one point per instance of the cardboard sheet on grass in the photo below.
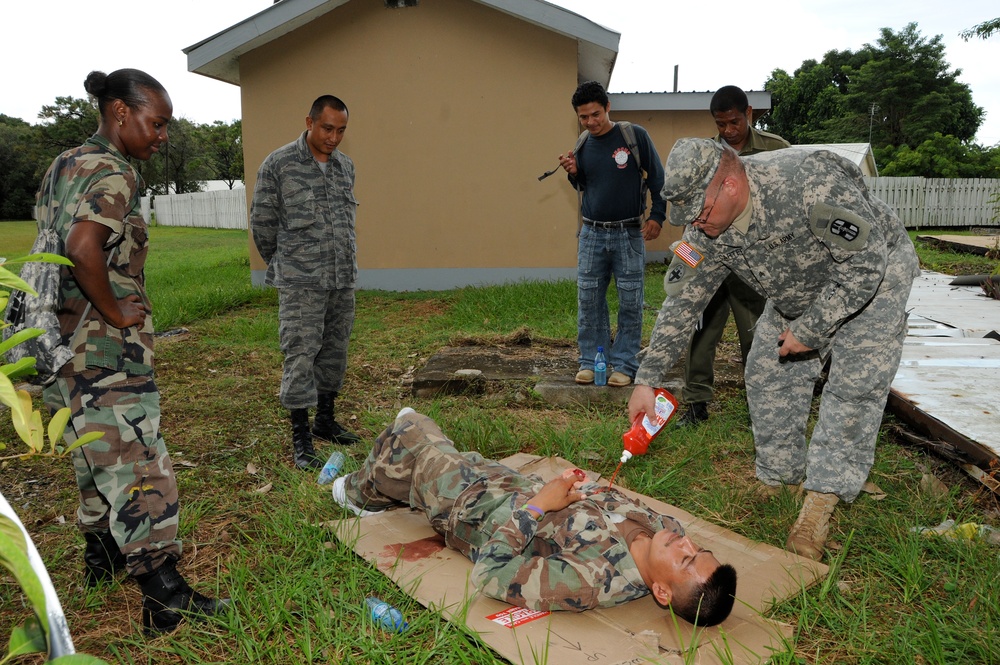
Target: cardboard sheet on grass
x,y
404,547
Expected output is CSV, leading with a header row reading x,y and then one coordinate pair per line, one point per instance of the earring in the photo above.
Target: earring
x,y
121,122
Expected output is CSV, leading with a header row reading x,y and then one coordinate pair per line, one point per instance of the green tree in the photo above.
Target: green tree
x,y
223,144
983,30
898,91
940,157
70,122
18,168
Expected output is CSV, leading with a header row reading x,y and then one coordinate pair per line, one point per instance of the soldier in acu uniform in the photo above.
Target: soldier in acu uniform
x,y
561,545
128,492
302,219
836,266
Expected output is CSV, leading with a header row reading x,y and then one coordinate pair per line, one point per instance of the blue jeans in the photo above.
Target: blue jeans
x,y
603,253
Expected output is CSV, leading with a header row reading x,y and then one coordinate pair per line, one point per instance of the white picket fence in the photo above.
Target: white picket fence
x,y
920,202
940,202
218,209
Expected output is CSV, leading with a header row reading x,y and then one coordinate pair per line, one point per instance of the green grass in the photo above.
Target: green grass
x,y
891,596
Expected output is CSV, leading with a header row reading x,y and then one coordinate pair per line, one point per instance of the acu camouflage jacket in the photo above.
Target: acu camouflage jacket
x,y
817,244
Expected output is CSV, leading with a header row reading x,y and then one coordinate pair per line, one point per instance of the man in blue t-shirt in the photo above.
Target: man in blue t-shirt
x,y
613,233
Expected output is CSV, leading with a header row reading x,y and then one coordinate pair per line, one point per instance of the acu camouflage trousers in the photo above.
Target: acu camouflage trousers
x,y
864,355
127,484
465,496
314,328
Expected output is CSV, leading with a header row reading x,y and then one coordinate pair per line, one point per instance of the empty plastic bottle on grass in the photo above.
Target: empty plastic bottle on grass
x,y
600,368
385,615
332,468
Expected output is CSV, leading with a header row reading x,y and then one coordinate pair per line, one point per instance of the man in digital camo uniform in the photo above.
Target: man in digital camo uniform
x,y
836,266
560,545
734,118
302,220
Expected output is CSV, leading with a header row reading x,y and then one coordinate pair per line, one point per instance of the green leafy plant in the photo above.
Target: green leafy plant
x,y
35,635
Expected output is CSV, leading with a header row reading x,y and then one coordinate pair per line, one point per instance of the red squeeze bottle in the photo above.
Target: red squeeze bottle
x,y
645,427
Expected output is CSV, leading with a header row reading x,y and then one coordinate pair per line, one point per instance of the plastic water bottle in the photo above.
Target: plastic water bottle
x,y
600,368
385,615
332,468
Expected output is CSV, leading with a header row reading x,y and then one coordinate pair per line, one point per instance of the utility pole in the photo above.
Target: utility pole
x,y
871,120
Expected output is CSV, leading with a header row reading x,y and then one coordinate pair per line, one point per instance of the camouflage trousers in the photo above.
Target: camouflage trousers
x,y
127,484
314,328
699,366
864,355
464,496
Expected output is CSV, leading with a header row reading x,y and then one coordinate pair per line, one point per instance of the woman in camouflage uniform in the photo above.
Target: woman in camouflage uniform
x,y
128,492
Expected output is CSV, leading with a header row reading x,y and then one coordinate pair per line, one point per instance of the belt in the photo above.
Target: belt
x,y
632,222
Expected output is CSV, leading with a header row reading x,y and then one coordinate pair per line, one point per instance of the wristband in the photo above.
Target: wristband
x,y
541,513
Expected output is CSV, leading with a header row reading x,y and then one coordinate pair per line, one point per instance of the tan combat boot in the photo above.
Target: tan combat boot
x,y
808,535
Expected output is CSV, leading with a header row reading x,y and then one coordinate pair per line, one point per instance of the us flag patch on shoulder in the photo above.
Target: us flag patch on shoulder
x,y
688,254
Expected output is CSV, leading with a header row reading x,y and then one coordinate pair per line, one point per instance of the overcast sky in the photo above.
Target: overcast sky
x,y
49,46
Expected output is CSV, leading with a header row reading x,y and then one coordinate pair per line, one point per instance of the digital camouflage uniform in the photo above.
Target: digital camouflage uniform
x,y
573,559
302,220
126,481
836,266
734,295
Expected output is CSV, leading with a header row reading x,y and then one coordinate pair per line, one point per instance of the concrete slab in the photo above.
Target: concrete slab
x,y
973,244
488,368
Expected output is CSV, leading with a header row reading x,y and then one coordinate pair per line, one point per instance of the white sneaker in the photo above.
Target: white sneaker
x,y
404,411
339,492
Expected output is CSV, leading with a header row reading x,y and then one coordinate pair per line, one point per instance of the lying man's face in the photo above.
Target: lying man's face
x,y
690,579
678,562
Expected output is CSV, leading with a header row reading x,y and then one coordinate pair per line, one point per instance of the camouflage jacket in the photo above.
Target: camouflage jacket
x,y
302,219
816,243
96,183
574,559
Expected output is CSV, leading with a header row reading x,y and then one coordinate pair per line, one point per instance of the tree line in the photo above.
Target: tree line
x,y
193,154
899,94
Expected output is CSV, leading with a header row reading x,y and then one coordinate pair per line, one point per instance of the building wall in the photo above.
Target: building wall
x,y
455,109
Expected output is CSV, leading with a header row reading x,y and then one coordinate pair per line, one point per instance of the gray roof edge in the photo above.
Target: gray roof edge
x,y
218,56
558,19
678,101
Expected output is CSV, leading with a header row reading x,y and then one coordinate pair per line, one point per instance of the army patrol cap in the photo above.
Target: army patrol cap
x,y
690,167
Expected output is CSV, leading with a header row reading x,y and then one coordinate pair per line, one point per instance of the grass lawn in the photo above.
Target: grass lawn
x,y
252,524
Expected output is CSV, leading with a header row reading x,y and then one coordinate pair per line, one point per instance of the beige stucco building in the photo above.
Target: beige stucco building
x,y
456,108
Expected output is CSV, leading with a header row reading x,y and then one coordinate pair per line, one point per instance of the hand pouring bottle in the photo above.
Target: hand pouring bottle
x,y
645,427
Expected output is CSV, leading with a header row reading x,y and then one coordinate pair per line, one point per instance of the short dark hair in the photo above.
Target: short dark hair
x,y
590,91
326,101
129,85
729,98
711,601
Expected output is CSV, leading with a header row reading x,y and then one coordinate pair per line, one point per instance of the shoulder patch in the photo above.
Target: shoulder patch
x,y
688,254
839,228
678,274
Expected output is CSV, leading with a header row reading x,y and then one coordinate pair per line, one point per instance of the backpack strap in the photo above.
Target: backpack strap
x,y
579,192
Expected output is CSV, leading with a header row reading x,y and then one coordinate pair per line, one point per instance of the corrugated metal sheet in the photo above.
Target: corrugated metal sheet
x,y
949,376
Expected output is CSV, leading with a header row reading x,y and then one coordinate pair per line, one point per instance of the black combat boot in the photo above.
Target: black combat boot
x,y
303,453
696,414
326,427
167,598
102,558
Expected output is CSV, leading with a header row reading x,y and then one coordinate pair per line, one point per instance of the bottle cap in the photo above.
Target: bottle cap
x,y
626,456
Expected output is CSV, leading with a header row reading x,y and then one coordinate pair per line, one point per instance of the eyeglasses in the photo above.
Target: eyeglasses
x,y
703,218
